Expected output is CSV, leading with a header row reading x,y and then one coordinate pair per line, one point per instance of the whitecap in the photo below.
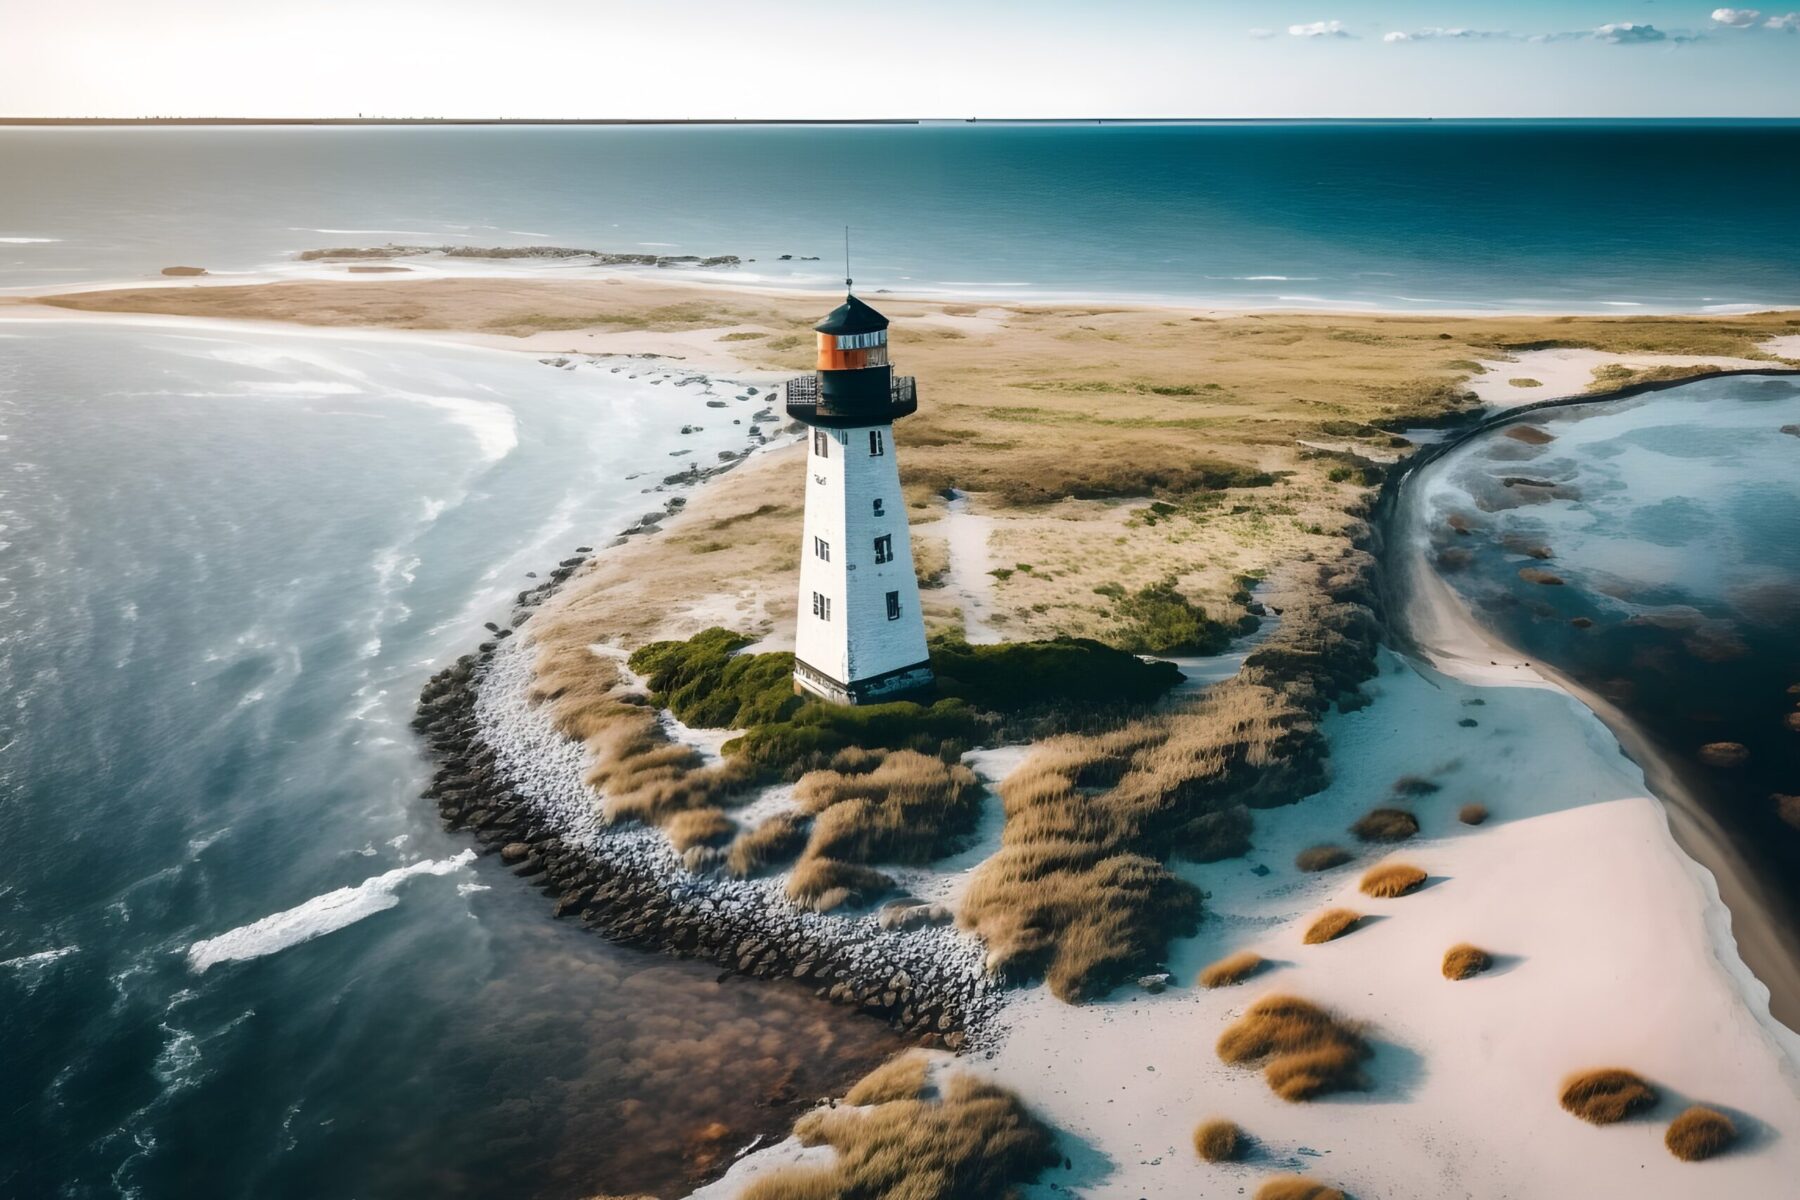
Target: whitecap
x,y
400,232
469,889
318,916
40,960
26,241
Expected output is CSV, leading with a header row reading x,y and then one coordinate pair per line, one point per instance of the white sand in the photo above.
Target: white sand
x,y
969,536
1571,372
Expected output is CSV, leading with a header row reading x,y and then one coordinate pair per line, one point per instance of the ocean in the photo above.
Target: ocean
x,y
1493,216
238,956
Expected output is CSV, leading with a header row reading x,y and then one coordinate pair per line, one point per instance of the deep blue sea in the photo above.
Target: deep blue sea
x,y
1439,215
230,556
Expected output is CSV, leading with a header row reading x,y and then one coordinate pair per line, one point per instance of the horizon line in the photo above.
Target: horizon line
x,y
1192,120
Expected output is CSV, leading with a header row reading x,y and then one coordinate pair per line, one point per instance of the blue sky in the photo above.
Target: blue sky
x,y
932,58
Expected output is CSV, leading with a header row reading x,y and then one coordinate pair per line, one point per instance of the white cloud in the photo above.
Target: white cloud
x,y
1787,23
1457,35
1261,34
1737,18
1630,33
1320,29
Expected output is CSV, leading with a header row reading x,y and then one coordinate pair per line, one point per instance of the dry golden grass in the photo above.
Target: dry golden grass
x,y
775,841
1296,1187
902,807
977,1143
698,827
1607,1095
1463,961
1331,924
1306,1052
1385,825
1472,814
1218,1140
902,1077
1230,970
1322,858
1390,880
1699,1133
823,884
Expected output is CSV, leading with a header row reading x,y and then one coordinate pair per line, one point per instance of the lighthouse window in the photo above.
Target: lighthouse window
x,y
821,607
821,443
878,509
893,599
884,548
875,446
822,548
861,341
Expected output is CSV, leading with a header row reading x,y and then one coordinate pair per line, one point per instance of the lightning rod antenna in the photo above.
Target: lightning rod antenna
x,y
846,259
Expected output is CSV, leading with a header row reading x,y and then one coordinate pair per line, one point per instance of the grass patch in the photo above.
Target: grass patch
x,y
1231,970
1015,676
1606,1096
743,336
1306,1052
774,842
1472,814
823,884
1385,825
899,807
1463,961
1330,925
899,1078
1321,858
1160,620
1526,383
1218,1140
1296,1187
698,827
1415,785
1391,880
1699,1133
978,1142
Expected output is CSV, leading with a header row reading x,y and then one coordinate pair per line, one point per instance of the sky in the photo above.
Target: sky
x,y
746,59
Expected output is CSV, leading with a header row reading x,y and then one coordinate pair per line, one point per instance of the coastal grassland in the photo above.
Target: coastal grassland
x,y
975,1141
1321,858
1296,1187
1391,880
1330,925
1463,961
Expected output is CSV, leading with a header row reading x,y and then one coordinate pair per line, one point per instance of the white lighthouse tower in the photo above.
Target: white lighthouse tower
x,y
861,637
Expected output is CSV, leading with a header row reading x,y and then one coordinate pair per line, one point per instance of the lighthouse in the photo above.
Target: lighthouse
x,y
860,636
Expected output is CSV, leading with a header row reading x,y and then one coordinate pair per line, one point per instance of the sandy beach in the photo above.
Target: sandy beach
x,y
1611,946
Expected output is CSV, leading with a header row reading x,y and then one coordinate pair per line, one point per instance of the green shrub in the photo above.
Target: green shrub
x,y
1160,620
816,730
707,683
1009,676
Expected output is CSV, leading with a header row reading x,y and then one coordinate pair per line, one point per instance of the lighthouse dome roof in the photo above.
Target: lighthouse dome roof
x,y
852,316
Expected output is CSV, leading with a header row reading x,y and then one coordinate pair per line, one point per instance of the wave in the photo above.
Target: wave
x,y
38,961
319,916
26,241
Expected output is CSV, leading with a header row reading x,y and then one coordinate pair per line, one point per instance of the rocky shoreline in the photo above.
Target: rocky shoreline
x,y
514,783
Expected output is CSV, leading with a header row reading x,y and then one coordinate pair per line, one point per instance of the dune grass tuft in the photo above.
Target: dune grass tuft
x,y
1699,1133
1385,825
1322,858
1330,924
773,842
1472,814
698,827
1296,1187
1390,880
1463,961
823,884
1306,1051
902,1077
1232,969
1606,1095
976,1143
1218,1140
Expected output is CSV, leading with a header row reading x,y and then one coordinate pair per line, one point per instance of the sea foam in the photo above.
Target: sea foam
x,y
317,917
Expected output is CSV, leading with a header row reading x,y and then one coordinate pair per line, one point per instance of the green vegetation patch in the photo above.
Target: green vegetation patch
x,y
1160,620
1013,676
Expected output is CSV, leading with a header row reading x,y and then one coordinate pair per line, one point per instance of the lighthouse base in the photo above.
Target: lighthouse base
x,y
905,683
